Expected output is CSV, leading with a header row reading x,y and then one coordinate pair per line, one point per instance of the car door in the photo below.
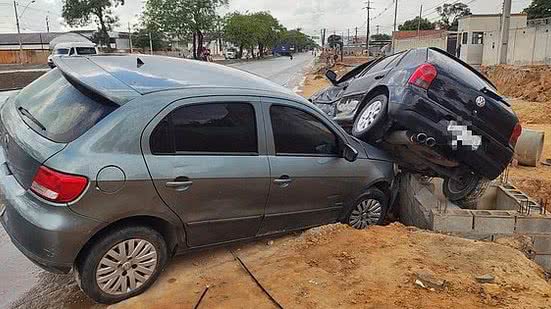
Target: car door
x,y
209,165
310,181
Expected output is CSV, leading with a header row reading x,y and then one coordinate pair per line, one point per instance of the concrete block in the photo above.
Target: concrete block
x,y
494,222
505,200
544,261
542,244
452,221
533,225
488,200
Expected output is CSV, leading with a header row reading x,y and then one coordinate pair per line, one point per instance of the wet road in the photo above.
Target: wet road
x,y
24,285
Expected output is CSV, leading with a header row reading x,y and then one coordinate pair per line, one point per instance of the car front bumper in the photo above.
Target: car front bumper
x,y
50,236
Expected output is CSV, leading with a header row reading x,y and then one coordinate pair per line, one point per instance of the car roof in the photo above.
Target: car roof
x,y
74,44
121,77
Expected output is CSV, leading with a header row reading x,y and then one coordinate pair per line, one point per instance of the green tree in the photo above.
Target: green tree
x,y
412,24
266,30
450,14
297,39
82,12
184,18
381,37
140,38
238,30
538,9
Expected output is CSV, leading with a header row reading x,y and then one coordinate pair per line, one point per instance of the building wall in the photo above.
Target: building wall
x,y
526,46
28,56
439,41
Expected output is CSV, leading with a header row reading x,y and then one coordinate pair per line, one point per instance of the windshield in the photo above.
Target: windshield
x,y
61,51
86,50
57,110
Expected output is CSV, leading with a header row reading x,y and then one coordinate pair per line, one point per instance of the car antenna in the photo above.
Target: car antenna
x,y
139,62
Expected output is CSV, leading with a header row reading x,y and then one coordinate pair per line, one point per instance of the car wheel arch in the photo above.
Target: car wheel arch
x,y
382,185
164,227
378,90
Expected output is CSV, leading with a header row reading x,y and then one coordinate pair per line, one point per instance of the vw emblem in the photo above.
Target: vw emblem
x,y
480,101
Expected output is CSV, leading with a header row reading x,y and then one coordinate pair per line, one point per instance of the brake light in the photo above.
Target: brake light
x,y
58,187
517,131
423,76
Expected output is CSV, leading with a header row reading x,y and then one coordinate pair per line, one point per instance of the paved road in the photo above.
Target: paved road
x,y
24,285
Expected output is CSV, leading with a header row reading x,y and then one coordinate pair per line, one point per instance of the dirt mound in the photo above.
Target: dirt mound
x,y
339,267
531,83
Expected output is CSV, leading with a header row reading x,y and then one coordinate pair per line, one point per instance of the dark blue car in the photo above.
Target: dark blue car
x,y
437,115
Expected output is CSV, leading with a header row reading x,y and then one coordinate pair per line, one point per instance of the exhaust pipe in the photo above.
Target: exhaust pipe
x,y
431,142
421,138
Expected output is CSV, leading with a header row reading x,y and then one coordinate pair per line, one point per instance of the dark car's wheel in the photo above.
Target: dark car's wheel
x,y
369,123
465,191
122,264
369,209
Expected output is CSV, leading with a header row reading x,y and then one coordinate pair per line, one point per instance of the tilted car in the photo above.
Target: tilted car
x,y
111,164
434,113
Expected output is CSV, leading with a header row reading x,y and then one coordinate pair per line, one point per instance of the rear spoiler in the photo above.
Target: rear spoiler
x,y
85,74
466,65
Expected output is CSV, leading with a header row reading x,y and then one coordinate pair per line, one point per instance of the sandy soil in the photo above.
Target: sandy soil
x,y
338,267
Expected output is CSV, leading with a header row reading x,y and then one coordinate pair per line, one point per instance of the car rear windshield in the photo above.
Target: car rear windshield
x,y
57,110
86,50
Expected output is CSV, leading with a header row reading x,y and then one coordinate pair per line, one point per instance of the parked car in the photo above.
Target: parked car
x,y
72,49
230,53
111,164
437,115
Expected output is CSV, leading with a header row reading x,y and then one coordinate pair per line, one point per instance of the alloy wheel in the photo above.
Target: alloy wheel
x,y
126,266
367,212
369,115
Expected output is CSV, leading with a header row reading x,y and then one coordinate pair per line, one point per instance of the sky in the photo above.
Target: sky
x,y
337,16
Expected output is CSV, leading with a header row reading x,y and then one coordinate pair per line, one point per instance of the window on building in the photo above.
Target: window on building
x,y
465,39
478,38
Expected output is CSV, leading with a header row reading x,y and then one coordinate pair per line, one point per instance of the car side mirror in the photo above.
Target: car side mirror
x,y
331,76
349,153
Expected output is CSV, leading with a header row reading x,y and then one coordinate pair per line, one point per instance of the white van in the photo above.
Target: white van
x,y
72,49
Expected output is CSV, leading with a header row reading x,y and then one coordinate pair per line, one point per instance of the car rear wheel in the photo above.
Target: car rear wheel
x,y
369,209
369,123
122,264
465,191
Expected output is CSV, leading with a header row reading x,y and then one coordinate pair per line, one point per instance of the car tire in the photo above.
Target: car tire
x,y
466,192
147,243
369,209
370,122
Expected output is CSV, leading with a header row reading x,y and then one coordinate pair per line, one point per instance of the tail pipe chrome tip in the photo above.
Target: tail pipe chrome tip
x,y
421,138
431,142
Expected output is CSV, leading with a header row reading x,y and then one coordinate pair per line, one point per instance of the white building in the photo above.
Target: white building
x,y
474,30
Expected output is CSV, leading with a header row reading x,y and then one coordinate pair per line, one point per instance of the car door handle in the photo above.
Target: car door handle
x,y
283,181
179,185
379,77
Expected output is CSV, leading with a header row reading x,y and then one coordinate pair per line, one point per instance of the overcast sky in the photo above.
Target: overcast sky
x,y
310,15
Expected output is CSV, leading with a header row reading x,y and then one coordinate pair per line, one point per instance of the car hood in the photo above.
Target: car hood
x,y
329,95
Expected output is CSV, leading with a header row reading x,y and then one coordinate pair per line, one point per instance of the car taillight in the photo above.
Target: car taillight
x,y
58,187
423,76
517,131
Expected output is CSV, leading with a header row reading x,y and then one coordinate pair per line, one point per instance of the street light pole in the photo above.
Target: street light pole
x,y
18,32
505,25
150,44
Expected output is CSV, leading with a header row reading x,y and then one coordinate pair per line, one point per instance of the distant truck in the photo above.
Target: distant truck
x,y
283,50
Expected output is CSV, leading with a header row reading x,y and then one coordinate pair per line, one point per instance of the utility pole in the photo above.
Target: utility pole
x,y
18,32
378,26
505,25
395,24
419,22
47,24
356,37
130,38
348,37
368,8
150,44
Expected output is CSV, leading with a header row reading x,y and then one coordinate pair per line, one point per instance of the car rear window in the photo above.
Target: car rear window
x,y
86,50
61,51
61,112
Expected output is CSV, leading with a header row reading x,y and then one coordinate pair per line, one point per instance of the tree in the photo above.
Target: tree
x,y
266,30
297,39
381,37
184,18
140,38
82,12
412,24
450,14
538,9
238,30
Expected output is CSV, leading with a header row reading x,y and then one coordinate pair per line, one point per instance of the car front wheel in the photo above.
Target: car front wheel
x,y
466,190
122,264
369,123
369,209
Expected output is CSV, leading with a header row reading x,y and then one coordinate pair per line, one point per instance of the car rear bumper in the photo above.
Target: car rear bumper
x,y
50,236
420,114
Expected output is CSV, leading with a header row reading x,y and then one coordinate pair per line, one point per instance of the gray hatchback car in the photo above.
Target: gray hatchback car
x,y
110,165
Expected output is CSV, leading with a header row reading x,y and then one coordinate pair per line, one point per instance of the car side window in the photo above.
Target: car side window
x,y
299,133
209,128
